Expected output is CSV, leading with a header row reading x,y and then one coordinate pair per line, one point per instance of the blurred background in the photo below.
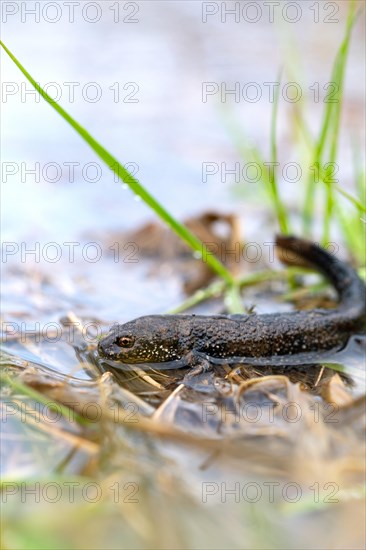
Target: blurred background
x,y
148,80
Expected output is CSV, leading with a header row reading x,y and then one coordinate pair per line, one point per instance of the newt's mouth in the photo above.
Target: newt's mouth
x,y
108,348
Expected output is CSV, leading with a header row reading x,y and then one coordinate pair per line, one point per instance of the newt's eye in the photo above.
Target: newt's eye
x,y
125,342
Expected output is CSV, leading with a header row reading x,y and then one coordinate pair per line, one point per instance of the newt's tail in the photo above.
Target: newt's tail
x,y
350,288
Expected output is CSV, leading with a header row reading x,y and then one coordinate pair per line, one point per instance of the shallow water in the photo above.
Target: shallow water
x,y
167,136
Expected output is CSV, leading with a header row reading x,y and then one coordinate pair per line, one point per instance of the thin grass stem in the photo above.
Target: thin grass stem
x,y
124,175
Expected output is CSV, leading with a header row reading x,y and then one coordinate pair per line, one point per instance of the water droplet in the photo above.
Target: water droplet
x,y
197,255
124,186
137,197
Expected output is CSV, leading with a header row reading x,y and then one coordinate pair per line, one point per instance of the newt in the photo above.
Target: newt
x,y
294,337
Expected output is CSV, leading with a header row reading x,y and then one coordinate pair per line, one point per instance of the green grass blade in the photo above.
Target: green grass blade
x,y
354,233
359,171
232,299
358,203
330,122
213,290
18,386
251,153
133,183
339,79
281,212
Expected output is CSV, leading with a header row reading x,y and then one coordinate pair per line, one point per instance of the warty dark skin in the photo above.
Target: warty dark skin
x,y
258,339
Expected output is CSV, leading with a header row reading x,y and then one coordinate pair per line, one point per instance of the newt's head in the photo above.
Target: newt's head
x,y
150,339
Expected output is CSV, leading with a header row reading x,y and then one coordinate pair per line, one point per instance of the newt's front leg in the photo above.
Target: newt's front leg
x,y
198,364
